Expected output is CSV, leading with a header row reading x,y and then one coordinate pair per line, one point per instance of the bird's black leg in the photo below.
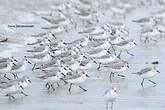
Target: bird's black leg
x,y
106,105
10,96
58,84
142,82
34,66
130,53
82,88
119,55
70,88
64,81
15,75
111,105
23,93
52,87
153,82
98,68
110,76
6,77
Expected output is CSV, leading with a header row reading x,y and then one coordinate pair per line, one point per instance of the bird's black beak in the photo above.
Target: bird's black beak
x,y
115,91
65,68
21,87
15,60
95,62
135,43
30,81
81,45
128,66
158,71
70,69
87,75
54,36
62,61
85,57
29,62
108,52
63,74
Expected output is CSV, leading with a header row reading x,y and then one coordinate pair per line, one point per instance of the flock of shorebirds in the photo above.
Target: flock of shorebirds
x,y
101,46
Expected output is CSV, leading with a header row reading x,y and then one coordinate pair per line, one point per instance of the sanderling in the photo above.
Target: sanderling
x,y
147,73
97,52
118,11
52,78
110,96
116,39
39,59
15,86
19,67
87,30
105,59
82,41
161,29
5,67
125,45
39,50
149,34
100,45
116,67
86,63
99,35
160,13
76,79
146,21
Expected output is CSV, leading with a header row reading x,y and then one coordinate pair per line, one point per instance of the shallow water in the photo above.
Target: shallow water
x,y
131,94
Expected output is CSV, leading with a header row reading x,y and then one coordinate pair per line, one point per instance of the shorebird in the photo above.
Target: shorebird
x,y
116,39
147,73
118,10
19,67
100,44
149,34
103,60
55,29
3,38
99,34
81,41
160,28
10,89
146,21
39,50
97,52
116,67
15,86
52,78
159,14
125,45
110,96
87,30
5,67
39,59
76,79
86,63
5,59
